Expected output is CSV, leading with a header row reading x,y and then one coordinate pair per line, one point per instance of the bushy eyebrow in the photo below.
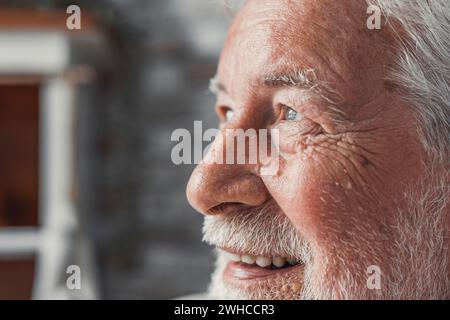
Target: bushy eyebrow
x,y
302,78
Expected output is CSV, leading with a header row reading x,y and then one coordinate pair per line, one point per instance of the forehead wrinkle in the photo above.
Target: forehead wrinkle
x,y
272,20
282,31
277,38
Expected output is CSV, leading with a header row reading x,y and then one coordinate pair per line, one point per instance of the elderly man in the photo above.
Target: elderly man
x,y
357,207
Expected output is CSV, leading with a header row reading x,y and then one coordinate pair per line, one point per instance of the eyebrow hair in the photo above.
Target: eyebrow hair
x,y
282,79
303,78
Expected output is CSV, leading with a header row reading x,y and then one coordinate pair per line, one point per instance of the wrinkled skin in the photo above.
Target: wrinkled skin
x,y
340,174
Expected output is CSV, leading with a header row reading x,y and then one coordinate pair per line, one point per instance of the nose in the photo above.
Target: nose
x,y
216,188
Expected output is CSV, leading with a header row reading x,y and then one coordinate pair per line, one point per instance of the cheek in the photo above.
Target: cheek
x,y
317,196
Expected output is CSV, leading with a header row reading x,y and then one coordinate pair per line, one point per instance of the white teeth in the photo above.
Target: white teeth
x,y
248,259
232,256
278,262
263,262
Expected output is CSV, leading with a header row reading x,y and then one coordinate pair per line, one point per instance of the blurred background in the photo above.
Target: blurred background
x,y
86,116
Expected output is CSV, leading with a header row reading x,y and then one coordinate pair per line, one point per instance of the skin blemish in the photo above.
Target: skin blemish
x,y
365,162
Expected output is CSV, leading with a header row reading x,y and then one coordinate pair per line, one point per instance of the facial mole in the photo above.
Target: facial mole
x,y
365,162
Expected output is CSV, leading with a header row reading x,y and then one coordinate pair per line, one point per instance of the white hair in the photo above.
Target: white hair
x,y
422,71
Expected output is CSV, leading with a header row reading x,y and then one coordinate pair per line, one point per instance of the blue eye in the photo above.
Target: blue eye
x,y
292,115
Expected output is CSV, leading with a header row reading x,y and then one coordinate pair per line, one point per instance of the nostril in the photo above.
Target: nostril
x,y
226,208
222,189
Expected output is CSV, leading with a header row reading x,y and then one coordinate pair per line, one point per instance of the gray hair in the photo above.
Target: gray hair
x,y
422,72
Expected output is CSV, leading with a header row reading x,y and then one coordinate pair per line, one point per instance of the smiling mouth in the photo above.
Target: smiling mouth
x,y
245,267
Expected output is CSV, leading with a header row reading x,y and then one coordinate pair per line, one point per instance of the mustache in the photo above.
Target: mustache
x,y
263,230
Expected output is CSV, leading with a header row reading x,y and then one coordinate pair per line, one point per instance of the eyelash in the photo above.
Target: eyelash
x,y
285,113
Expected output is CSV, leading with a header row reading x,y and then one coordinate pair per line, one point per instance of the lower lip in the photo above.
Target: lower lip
x,y
242,272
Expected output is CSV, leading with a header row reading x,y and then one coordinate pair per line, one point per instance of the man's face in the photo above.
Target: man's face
x,y
349,157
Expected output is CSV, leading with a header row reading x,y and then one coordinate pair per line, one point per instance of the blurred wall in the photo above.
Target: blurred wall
x,y
147,240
